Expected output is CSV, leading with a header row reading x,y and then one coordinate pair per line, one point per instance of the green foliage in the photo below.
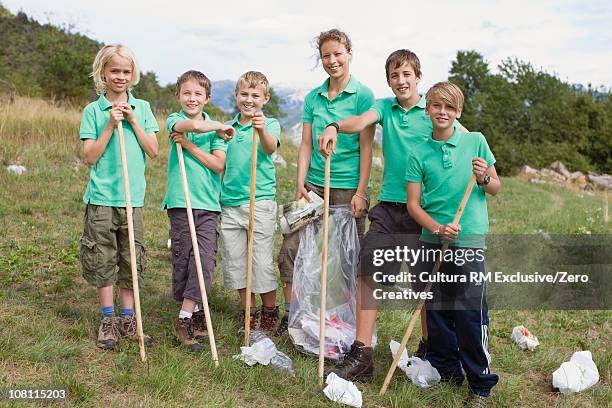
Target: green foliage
x,y
52,62
532,117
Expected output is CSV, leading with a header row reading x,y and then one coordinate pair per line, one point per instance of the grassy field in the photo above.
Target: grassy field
x,y
50,315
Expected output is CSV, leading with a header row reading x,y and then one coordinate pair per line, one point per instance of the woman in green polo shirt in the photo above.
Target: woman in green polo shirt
x,y
340,96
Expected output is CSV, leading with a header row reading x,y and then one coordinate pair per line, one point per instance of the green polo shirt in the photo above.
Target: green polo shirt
x,y
320,111
402,130
105,186
204,184
237,179
444,169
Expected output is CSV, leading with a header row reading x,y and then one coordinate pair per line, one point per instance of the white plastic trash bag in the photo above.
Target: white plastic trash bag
x,y
342,263
524,338
579,374
340,390
260,352
421,372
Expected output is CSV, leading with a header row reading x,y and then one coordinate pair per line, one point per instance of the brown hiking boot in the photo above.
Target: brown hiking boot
x,y
283,325
127,328
107,334
253,323
199,326
268,320
358,364
184,331
422,349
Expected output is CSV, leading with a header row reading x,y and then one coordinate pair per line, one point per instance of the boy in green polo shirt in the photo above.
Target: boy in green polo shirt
x,y
438,171
252,93
104,251
405,125
204,156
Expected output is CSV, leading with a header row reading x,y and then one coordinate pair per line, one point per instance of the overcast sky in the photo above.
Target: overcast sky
x,y
225,38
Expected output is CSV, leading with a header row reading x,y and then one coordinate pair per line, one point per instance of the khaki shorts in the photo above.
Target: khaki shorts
x,y
105,248
291,242
234,227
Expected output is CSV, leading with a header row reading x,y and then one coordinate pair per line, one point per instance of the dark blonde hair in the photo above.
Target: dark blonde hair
x,y
253,79
446,92
103,57
400,57
197,76
332,35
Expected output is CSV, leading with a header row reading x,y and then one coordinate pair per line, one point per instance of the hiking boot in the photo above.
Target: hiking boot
x,y
198,320
477,401
358,364
283,325
107,334
127,328
184,331
422,349
253,323
268,320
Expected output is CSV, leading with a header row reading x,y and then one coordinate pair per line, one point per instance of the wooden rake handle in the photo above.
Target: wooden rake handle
x,y
324,255
250,231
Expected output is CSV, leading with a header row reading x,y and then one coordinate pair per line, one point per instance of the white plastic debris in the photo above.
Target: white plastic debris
x,y
260,352
340,390
421,372
524,338
16,169
579,374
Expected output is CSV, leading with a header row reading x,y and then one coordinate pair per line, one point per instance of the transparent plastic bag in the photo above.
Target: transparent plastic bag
x,y
342,264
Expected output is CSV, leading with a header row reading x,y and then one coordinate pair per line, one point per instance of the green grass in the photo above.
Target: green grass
x,y
50,315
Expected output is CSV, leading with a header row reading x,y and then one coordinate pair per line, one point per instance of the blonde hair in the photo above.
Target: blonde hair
x,y
253,79
448,93
398,58
103,57
197,76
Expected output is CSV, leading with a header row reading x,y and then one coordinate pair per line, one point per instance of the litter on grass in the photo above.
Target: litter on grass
x,y
340,390
524,338
16,169
264,352
578,374
421,372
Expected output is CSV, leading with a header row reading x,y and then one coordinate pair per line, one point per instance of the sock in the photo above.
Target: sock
x,y
183,314
126,312
196,308
108,311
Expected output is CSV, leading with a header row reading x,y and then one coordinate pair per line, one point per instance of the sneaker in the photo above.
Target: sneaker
x,y
107,334
422,349
283,325
199,326
184,331
127,328
477,401
268,320
358,364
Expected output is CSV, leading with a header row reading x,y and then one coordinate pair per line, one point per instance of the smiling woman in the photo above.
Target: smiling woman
x,y
341,95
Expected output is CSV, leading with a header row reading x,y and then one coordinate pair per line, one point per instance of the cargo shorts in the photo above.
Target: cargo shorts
x,y
105,250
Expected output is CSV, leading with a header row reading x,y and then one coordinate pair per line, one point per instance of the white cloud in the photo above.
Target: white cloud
x,y
224,39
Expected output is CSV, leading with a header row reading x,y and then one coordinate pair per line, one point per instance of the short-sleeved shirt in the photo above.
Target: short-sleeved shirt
x,y
237,178
444,170
105,186
204,184
403,129
319,111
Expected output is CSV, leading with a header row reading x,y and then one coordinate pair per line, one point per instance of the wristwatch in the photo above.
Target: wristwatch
x,y
334,124
486,180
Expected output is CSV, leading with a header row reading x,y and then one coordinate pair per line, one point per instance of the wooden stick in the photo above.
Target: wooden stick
x,y
323,305
196,255
130,222
417,312
249,276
